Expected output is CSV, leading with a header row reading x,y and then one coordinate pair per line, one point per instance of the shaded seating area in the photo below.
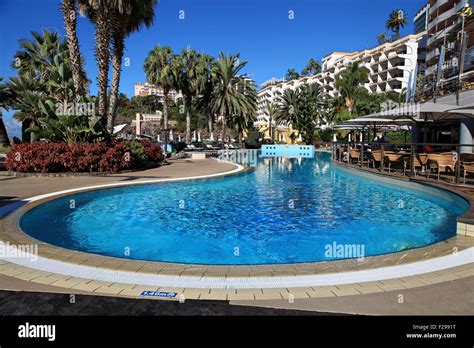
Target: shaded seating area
x,y
438,141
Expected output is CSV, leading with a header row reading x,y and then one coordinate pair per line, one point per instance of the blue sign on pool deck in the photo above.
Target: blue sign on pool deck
x,y
306,151
158,294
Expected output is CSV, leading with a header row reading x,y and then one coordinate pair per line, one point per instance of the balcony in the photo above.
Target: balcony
x,y
446,15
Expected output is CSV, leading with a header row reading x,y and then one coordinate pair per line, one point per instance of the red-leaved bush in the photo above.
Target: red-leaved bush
x,y
76,158
153,151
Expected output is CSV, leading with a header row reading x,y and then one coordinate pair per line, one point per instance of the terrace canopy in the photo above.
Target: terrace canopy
x,y
425,112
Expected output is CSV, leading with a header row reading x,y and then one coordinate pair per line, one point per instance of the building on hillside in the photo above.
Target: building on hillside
x,y
392,67
144,89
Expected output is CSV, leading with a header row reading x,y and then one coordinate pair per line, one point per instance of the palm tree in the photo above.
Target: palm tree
x,y
245,119
160,69
37,55
5,101
39,60
102,14
27,95
69,10
313,67
350,84
395,21
382,38
271,111
291,74
233,97
189,72
142,13
288,108
302,109
203,102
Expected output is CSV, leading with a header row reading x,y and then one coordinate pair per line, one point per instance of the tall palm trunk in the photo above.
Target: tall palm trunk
x,y
102,38
118,48
210,120
165,108
188,104
70,12
241,136
25,136
271,129
4,141
223,129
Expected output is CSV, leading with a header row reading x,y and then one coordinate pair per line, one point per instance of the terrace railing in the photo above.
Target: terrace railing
x,y
448,161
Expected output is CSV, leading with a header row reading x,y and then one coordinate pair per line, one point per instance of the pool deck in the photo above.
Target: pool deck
x,y
368,297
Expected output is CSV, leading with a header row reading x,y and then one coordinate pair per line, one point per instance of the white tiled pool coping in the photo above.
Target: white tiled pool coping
x,y
207,282
68,269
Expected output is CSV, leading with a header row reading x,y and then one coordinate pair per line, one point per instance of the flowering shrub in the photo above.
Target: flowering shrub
x,y
81,157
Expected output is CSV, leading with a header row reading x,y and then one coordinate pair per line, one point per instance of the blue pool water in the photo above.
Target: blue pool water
x,y
284,211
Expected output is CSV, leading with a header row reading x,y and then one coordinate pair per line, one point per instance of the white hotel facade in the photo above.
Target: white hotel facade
x,y
392,67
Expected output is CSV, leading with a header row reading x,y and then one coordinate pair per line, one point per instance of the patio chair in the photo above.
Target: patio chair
x,y
354,155
441,161
394,159
375,157
417,164
467,167
467,157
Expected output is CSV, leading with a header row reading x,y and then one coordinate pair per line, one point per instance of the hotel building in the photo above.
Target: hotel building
x,y
391,66
144,89
444,26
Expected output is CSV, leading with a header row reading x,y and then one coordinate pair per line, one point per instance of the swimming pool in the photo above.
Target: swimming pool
x,y
284,211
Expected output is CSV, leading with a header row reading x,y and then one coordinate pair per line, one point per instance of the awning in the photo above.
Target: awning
x,y
119,128
424,112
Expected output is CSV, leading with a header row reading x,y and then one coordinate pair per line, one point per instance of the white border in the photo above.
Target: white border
x,y
118,184
93,273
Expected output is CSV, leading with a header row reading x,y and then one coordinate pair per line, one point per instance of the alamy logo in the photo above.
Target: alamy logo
x,y
37,331
344,251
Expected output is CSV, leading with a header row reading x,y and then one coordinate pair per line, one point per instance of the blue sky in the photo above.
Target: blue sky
x,y
259,29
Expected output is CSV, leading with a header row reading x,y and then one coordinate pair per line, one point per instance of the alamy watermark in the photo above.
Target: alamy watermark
x,y
344,251
22,251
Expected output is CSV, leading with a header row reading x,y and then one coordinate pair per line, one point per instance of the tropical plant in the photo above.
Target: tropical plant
x,y
350,85
382,38
203,102
303,109
5,102
160,69
27,92
125,23
57,124
189,76
234,95
69,9
271,111
36,56
312,68
396,20
244,120
291,74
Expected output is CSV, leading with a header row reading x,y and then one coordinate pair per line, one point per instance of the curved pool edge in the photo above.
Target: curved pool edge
x,y
466,218
56,259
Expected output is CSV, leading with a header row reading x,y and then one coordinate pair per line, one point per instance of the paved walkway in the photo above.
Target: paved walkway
x,y
13,188
445,292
